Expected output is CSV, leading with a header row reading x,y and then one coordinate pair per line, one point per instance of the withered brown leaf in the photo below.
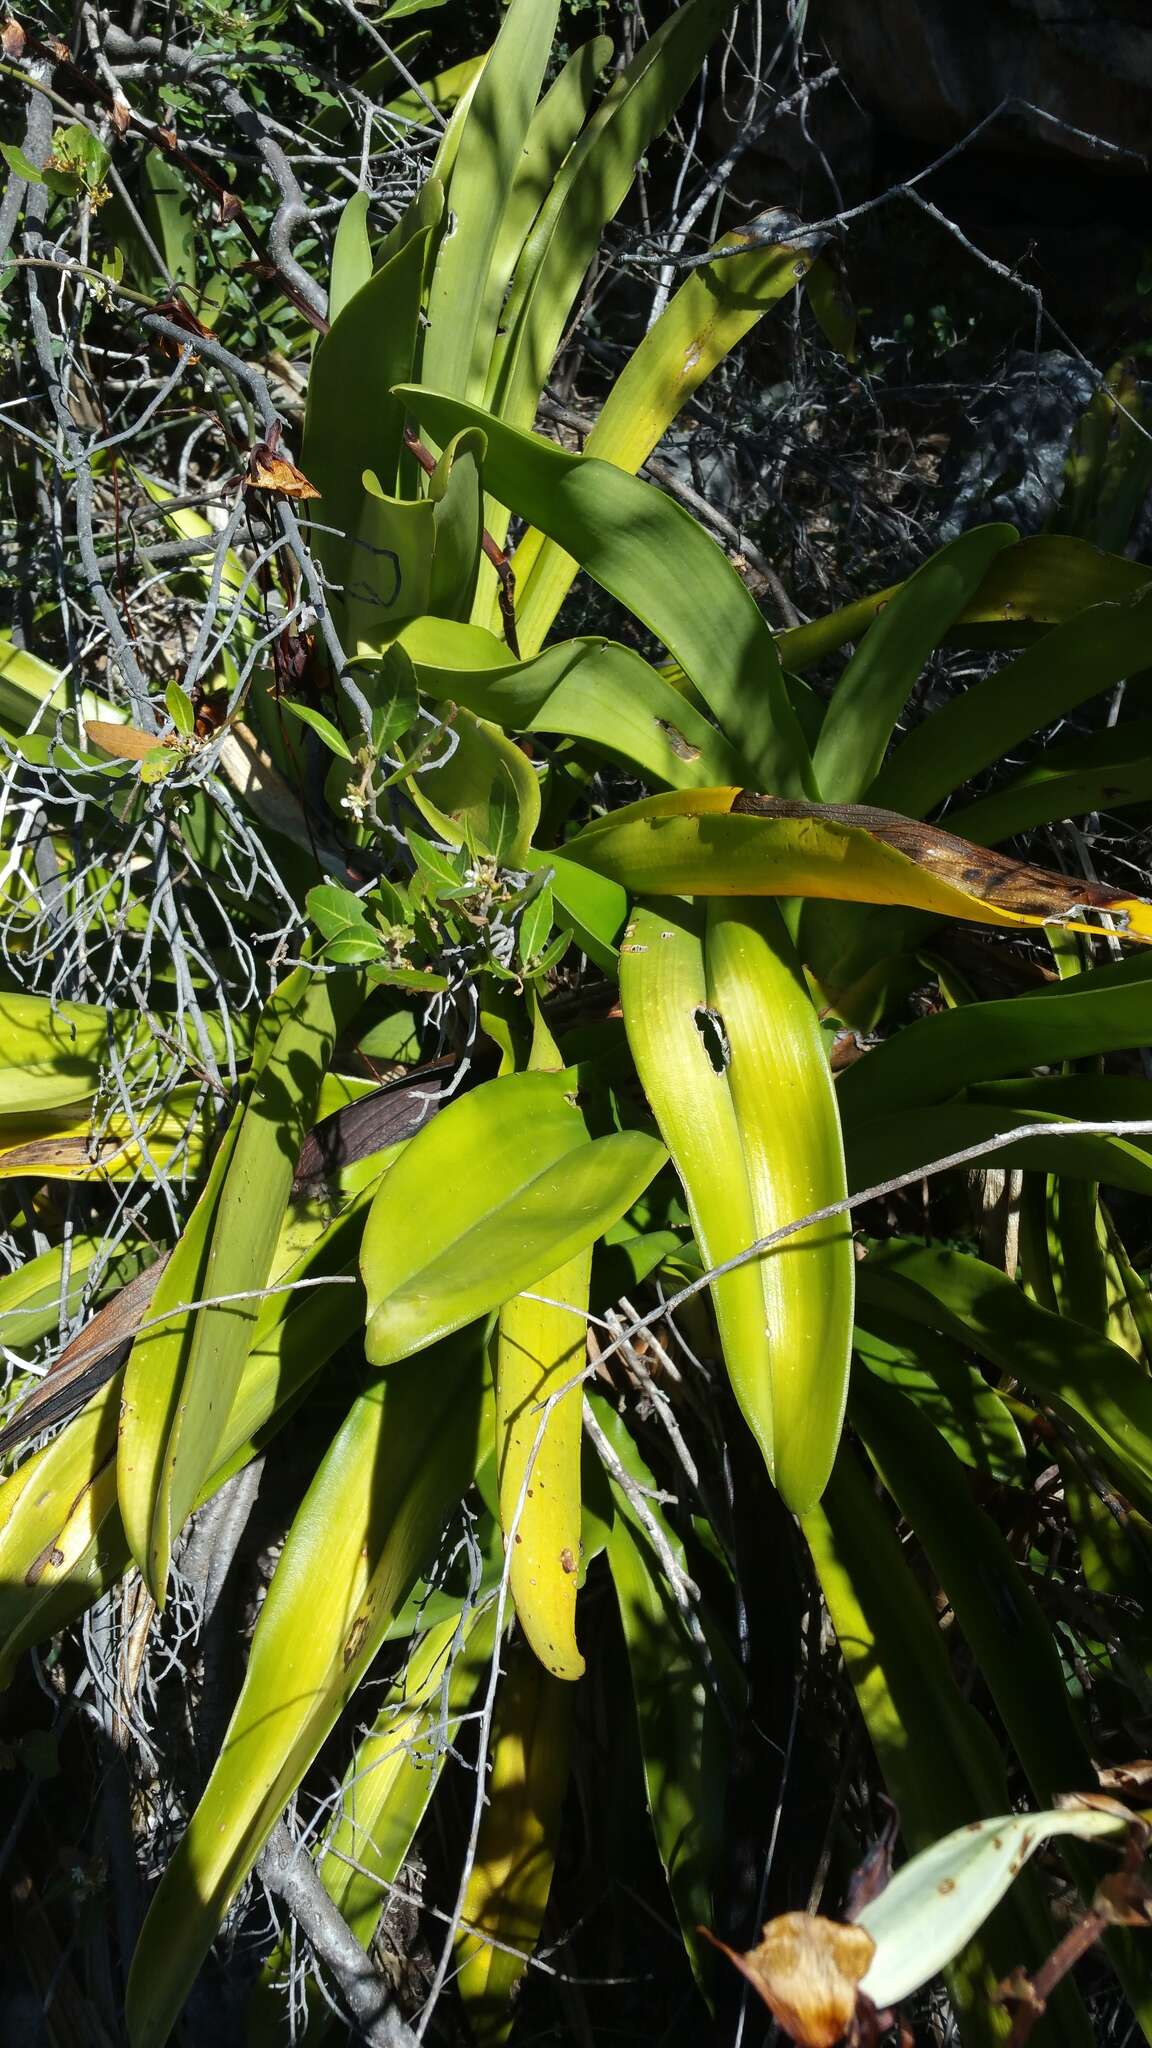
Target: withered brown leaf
x,y
807,1970
127,742
1133,1777
273,473
268,470
1010,886
12,39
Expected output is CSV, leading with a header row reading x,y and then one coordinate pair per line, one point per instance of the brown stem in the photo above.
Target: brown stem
x,y
228,204
1042,1984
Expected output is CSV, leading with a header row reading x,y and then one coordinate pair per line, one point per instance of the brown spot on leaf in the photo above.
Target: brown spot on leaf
x,y
680,746
567,1561
359,1631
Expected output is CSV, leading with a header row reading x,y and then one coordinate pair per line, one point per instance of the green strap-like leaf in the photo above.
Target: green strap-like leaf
x,y
728,1048
1090,653
368,1525
683,1737
61,1538
463,298
651,554
501,1188
352,422
1001,1621
182,1375
1102,771
588,192
712,311
385,1794
351,255
1106,1011
1096,1386
897,1142
590,689
937,1756
552,132
509,1883
878,680
1037,583
1005,1629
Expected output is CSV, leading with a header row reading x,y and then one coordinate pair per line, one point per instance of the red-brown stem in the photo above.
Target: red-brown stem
x,y
1065,1955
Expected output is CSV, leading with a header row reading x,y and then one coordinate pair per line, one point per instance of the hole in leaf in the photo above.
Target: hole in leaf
x,y
710,1025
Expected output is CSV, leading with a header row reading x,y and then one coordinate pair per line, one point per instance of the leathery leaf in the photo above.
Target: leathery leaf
x,y
875,685
62,1540
540,1356
365,1530
684,1734
712,311
502,1187
938,1757
652,555
939,1900
387,1788
728,1047
1092,1383
182,1374
735,842
508,1888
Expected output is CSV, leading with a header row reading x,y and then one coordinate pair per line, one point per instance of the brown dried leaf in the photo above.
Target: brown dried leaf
x,y
121,113
229,206
268,471
1133,1777
12,39
1124,1900
1010,887
807,1969
176,311
127,742
88,1362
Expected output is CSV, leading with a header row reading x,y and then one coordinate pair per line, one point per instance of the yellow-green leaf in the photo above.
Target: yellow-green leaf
x,y
507,1892
734,842
541,1351
368,1525
502,1187
727,1044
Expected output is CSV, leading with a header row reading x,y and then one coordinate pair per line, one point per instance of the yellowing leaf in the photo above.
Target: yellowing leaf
x,y
540,1349
508,1889
735,842
727,1044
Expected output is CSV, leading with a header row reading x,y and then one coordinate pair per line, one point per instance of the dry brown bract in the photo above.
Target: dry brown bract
x,y
807,1971
268,470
